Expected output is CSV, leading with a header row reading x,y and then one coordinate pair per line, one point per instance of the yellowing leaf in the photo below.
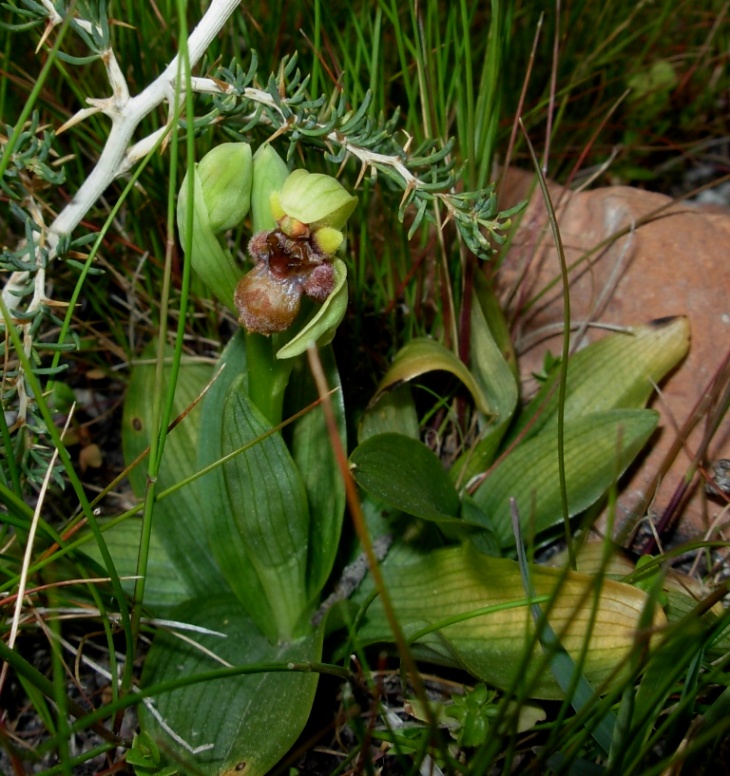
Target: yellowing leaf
x,y
421,356
463,608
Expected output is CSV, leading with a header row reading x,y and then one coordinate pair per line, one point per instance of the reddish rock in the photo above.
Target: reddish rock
x,y
676,262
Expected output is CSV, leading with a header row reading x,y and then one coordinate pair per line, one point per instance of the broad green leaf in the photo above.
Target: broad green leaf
x,y
405,474
167,583
617,372
684,593
466,609
598,448
268,502
251,720
178,520
393,411
312,452
497,381
484,539
421,356
222,533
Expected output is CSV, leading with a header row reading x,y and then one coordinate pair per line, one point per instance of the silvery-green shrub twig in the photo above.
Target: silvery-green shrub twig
x,y
232,99
24,291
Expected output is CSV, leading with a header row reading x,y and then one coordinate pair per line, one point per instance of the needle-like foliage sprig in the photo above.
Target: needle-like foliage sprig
x,y
231,98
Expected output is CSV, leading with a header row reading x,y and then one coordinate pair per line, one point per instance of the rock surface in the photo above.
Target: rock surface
x,y
635,256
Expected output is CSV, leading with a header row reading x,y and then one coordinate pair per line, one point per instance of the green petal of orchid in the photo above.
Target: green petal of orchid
x,y
328,240
317,200
321,329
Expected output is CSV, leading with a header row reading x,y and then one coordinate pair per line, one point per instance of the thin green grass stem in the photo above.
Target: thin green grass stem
x,y
163,414
32,98
59,691
562,386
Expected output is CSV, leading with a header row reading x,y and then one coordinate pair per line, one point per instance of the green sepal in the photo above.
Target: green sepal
x,y
269,173
211,261
226,174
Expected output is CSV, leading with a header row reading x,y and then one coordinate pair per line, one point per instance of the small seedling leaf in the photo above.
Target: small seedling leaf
x,y
405,474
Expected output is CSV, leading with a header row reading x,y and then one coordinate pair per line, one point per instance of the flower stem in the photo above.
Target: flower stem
x,y
268,376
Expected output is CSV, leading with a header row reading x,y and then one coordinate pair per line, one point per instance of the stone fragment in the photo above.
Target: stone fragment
x,y
634,256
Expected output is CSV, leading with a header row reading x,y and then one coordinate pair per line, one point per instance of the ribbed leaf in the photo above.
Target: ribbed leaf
x,y
178,520
250,720
222,533
167,582
312,452
598,448
496,380
393,411
619,371
683,593
268,502
438,600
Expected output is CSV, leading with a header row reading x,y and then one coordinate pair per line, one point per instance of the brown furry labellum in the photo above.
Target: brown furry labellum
x,y
268,298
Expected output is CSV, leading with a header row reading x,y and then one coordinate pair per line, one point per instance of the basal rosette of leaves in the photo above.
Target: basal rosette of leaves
x,y
465,605
248,521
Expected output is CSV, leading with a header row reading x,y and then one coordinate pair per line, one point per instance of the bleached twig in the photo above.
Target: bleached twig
x,y
118,155
126,112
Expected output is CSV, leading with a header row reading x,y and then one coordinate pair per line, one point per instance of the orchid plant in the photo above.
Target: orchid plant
x,y
238,569
269,503
264,530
